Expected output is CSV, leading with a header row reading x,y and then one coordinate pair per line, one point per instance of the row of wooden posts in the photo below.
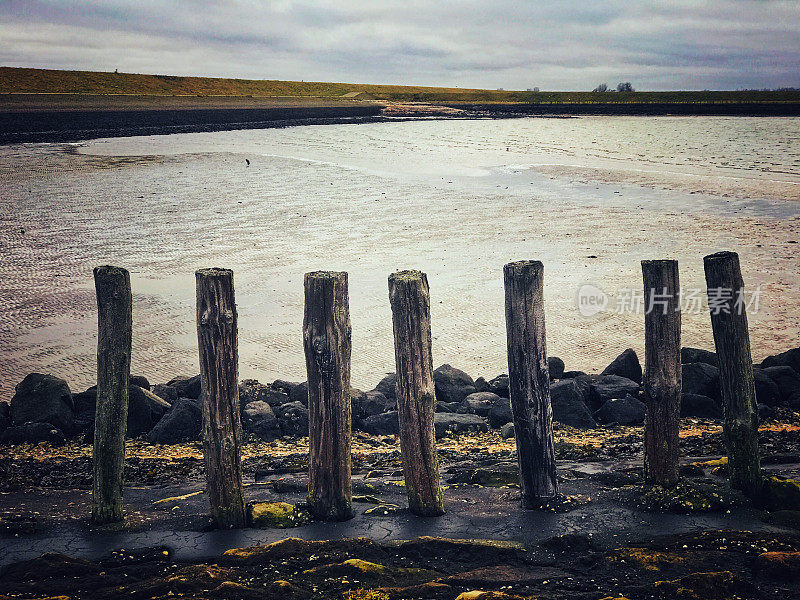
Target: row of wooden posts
x,y
327,345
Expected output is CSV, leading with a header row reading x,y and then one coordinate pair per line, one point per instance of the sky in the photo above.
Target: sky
x,y
557,45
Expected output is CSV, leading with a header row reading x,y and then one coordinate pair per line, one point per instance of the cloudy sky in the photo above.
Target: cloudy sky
x,y
557,45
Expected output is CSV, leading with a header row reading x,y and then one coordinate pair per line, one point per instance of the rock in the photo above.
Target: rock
x,y
705,586
447,407
625,365
701,378
43,399
145,409
186,387
622,411
445,423
499,386
85,404
183,422
556,367
250,390
259,419
166,392
765,413
452,385
569,542
279,515
794,402
5,416
569,406
500,413
374,403
293,419
140,380
284,386
783,518
299,393
481,385
479,403
33,433
695,355
779,493
608,387
383,424
487,595
507,431
386,386
572,374
696,405
790,358
767,391
786,378
779,565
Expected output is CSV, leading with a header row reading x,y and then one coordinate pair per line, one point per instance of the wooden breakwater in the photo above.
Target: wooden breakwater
x,y
327,346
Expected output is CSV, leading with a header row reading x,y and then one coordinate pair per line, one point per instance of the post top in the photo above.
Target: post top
x,y
213,272
407,275
326,275
659,261
110,270
724,255
524,264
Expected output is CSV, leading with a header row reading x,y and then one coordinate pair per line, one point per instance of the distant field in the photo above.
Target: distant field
x,y
44,81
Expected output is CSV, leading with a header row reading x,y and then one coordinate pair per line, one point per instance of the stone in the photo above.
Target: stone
x,y
608,387
705,586
284,386
382,424
259,419
5,416
765,413
625,365
452,385
447,407
293,419
786,378
145,409
386,386
186,387
33,433
479,403
500,413
445,423
140,380
767,391
779,565
790,358
43,399
366,404
695,355
499,386
572,374
556,367
166,392
697,405
481,385
622,411
569,406
250,390
779,493
299,393
701,378
280,515
507,431
183,422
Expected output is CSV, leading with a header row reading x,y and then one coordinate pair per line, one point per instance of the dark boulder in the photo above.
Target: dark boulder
x,y
790,358
794,401
250,390
786,378
141,381
609,387
85,404
284,386
584,383
43,399
33,433
695,355
696,405
556,367
371,403
445,423
765,412
622,411
500,413
145,409
259,419
187,387
383,424
625,365
507,431
479,403
183,422
166,392
701,378
481,385
5,416
386,386
299,393
767,391
447,407
572,374
452,385
293,419
569,406
499,386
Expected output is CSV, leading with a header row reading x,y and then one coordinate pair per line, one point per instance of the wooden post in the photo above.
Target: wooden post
x,y
219,374
732,341
662,378
529,381
326,339
416,397
114,324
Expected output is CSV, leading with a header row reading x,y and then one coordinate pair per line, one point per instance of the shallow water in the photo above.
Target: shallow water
x,y
457,199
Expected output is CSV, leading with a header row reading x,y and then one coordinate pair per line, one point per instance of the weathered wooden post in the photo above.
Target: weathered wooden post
x,y
662,378
529,381
732,341
409,297
326,339
114,324
219,374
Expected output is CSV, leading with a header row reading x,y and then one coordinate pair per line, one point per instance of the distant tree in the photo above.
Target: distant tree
x,y
625,87
601,88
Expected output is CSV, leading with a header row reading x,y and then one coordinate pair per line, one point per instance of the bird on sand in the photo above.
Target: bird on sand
x,y
247,160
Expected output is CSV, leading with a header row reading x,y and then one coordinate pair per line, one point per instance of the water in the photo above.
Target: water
x,y
590,197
